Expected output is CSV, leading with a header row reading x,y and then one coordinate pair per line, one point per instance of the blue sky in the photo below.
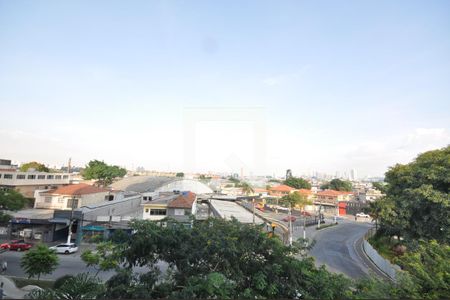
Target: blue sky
x,y
341,85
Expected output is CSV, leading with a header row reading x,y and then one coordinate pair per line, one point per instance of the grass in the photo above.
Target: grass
x,y
383,245
21,282
326,226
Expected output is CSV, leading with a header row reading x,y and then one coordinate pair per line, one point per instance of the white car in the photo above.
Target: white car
x,y
362,215
65,248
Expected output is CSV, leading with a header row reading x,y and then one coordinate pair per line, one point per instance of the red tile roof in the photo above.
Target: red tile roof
x,y
183,201
77,189
281,188
333,193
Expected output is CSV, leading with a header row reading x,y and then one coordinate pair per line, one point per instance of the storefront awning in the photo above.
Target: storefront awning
x,y
93,228
60,221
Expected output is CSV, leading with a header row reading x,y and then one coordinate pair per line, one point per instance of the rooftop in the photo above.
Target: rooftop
x,y
183,201
76,189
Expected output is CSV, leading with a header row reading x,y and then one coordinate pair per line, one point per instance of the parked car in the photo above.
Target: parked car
x,y
65,248
286,219
18,245
362,215
306,214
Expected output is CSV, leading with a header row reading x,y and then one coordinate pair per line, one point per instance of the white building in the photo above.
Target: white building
x,y
71,196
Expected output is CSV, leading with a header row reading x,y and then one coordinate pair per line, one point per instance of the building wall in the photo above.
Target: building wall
x,y
60,201
146,212
12,178
129,206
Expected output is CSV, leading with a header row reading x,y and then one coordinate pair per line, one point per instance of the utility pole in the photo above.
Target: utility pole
x,y
320,208
253,200
290,225
69,236
304,227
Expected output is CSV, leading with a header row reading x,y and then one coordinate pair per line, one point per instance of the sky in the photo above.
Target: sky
x,y
220,86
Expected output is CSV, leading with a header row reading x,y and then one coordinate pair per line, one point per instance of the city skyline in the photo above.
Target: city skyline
x,y
362,86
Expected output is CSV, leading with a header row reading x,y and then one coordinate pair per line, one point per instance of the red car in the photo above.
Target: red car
x,y
18,245
286,219
306,214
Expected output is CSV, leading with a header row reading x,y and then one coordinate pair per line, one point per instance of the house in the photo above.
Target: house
x,y
333,197
280,190
178,206
71,196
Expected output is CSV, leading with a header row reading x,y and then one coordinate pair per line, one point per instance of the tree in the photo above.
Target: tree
x,y
430,269
103,259
375,209
338,185
39,260
10,200
417,202
295,199
247,188
81,286
102,172
381,186
180,174
34,165
297,183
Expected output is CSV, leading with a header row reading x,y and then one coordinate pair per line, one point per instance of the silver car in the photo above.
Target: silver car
x,y
65,248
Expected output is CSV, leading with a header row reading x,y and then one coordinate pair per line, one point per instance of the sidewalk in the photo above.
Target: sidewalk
x,y
10,291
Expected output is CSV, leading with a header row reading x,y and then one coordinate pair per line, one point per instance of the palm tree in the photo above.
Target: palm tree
x,y
247,188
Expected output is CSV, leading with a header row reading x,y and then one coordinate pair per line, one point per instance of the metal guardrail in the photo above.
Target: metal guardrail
x,y
284,230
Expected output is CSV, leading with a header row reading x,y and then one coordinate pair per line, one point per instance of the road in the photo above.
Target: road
x,y
68,264
339,249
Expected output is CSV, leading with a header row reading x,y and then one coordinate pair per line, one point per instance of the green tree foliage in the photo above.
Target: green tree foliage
x,y
429,266
417,203
39,260
295,199
104,258
247,188
180,174
10,200
297,183
338,185
81,286
34,165
102,172
217,259
381,186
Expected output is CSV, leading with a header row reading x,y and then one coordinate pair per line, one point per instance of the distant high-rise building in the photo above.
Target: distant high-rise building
x,y
288,173
353,175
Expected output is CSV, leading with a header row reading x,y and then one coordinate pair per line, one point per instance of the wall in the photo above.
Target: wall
x,y
382,263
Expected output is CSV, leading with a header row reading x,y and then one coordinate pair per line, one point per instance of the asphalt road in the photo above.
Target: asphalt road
x,y
339,249
68,264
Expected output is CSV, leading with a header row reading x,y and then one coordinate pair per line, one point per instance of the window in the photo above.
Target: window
x,y
57,176
158,212
65,176
50,177
7,176
147,210
60,200
0,175
20,176
41,176
48,199
73,202
145,198
31,176
179,212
